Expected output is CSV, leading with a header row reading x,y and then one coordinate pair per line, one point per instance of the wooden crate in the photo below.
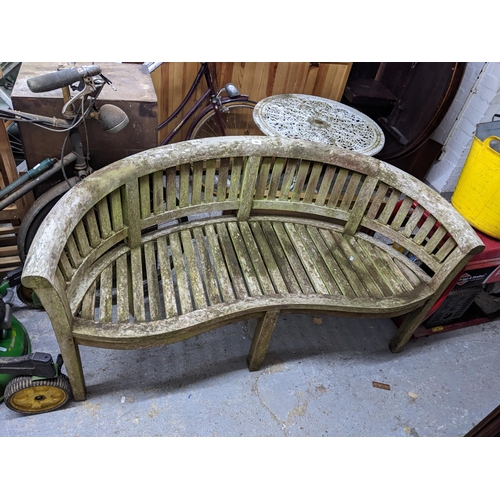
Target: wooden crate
x,y
172,81
11,216
135,94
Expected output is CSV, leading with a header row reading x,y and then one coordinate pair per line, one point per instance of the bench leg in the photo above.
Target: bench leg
x,y
261,339
71,357
407,327
59,314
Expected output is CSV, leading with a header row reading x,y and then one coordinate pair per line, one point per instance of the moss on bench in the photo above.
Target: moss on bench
x,y
182,239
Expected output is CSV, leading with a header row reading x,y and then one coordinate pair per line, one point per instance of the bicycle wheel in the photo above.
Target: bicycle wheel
x,y
37,213
238,120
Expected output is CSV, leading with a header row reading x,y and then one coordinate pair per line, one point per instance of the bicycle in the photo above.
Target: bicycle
x,y
88,82
231,115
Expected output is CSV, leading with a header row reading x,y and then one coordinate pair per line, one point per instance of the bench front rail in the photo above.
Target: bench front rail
x,y
182,239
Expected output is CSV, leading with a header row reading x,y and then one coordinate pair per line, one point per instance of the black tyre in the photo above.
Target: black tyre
x,y
26,296
238,120
37,213
30,397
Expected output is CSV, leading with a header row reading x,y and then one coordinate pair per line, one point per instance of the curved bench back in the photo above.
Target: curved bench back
x,y
119,204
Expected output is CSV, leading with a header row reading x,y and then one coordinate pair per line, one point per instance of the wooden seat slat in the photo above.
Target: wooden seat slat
x,y
244,259
359,263
139,310
195,279
344,263
167,285
408,273
333,266
206,267
293,259
306,259
225,286
181,274
317,260
122,289
153,290
268,259
388,269
233,267
106,295
257,260
373,268
388,274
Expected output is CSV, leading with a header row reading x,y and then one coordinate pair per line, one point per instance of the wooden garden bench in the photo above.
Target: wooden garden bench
x,y
182,239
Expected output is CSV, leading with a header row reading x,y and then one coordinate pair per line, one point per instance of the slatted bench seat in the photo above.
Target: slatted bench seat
x,y
182,239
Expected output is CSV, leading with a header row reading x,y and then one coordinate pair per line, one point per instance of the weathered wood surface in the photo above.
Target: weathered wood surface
x,y
182,239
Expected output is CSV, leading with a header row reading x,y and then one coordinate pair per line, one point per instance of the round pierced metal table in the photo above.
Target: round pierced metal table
x,y
316,119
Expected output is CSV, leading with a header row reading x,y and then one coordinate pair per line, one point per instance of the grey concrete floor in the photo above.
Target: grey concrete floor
x,y
316,381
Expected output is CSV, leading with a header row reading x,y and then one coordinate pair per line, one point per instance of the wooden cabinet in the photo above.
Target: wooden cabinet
x,y
408,100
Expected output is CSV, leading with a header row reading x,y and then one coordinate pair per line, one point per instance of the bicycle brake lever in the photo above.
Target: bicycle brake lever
x,y
89,88
108,81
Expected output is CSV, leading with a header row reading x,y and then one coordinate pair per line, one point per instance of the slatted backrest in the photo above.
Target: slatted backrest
x,y
196,187
314,188
419,222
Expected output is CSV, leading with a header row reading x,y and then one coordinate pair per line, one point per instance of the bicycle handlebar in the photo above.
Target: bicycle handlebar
x,y
59,79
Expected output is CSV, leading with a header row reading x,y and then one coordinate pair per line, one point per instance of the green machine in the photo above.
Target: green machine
x,y
30,383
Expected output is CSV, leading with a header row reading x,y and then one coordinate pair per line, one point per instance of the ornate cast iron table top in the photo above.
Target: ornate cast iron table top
x,y
299,116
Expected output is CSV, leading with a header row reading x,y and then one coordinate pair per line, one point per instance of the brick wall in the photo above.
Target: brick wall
x,y
477,100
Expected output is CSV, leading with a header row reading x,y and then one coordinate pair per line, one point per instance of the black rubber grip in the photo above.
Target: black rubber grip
x,y
59,79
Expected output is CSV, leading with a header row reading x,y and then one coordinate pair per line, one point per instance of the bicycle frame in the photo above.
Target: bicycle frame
x,y
210,93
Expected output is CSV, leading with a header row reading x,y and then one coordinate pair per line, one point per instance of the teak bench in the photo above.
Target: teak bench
x,y
182,239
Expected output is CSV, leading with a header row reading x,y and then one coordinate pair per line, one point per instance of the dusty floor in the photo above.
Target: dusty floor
x,y
317,381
